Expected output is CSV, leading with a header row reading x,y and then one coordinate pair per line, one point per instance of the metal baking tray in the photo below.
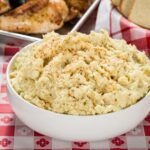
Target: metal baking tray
x,y
22,40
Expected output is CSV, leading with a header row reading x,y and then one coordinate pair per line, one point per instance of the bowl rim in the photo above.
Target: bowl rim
x,y
13,92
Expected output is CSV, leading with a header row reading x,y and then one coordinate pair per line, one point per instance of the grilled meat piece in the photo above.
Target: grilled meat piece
x,y
4,6
77,7
35,16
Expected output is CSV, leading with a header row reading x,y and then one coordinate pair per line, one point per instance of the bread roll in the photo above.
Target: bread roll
x,y
136,11
126,6
140,12
116,2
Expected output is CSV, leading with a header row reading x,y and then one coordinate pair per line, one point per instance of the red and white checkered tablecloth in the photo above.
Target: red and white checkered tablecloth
x,y
14,135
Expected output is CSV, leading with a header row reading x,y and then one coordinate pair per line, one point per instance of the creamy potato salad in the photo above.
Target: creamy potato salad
x,y
81,74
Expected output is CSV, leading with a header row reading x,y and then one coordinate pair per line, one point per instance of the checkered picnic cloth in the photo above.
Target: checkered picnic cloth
x,y
119,27
14,135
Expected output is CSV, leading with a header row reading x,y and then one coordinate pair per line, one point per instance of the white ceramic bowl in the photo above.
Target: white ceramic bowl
x,y
76,128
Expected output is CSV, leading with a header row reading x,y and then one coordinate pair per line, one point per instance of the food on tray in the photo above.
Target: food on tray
x,y
81,74
4,6
135,10
77,7
35,16
41,16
